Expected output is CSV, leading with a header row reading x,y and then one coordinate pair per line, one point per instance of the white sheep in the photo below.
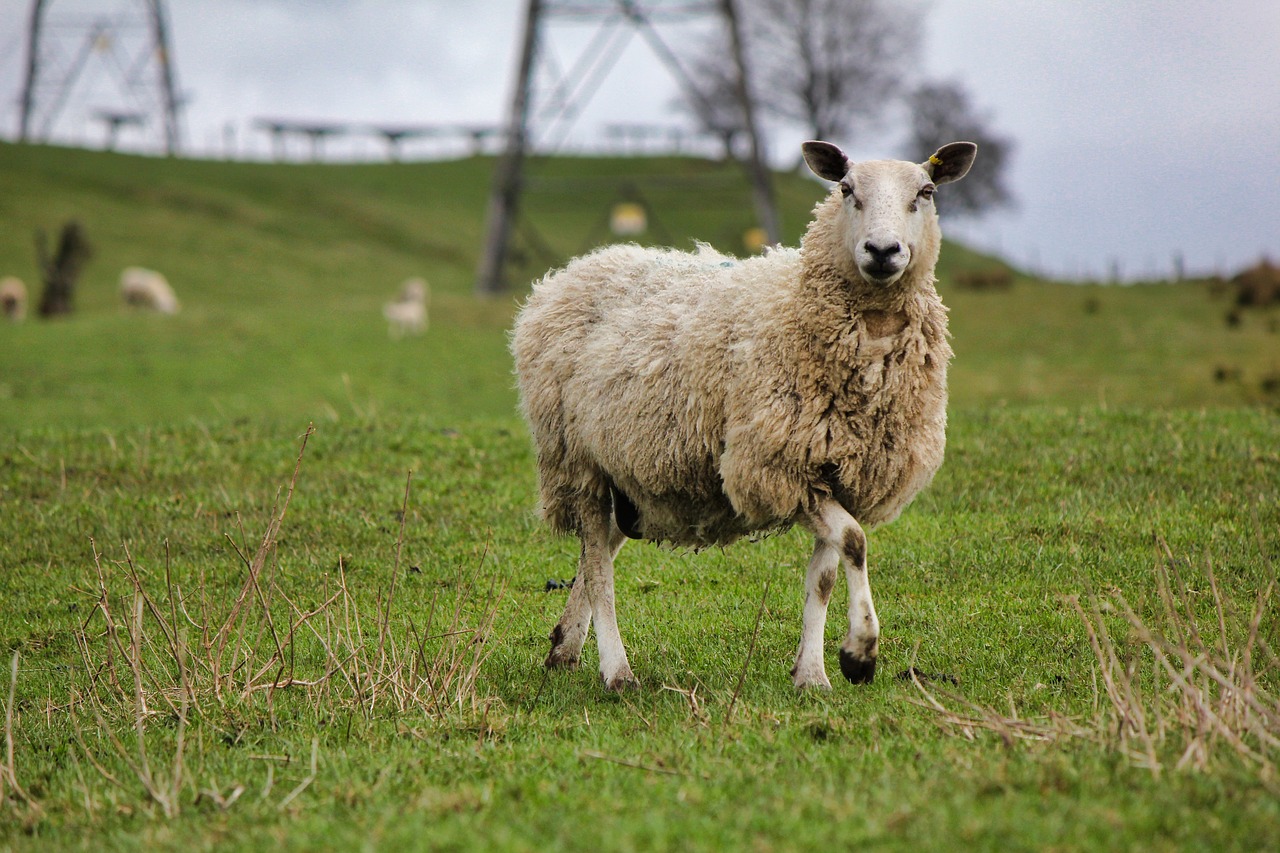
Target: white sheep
x,y
143,288
408,313
692,399
13,298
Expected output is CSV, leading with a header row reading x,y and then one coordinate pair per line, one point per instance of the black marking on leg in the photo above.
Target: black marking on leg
x,y
855,546
560,657
625,513
857,670
826,583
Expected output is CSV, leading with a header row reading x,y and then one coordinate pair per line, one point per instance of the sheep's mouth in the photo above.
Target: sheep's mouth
x,y
882,274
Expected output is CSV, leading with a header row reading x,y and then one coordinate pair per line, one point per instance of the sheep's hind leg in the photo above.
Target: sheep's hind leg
x,y
600,541
837,529
570,633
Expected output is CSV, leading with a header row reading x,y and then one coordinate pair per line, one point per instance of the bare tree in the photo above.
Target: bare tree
x,y
830,65
61,271
943,112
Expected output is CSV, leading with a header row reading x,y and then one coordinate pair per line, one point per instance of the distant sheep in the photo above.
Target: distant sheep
x,y
143,288
13,298
1258,286
694,399
407,315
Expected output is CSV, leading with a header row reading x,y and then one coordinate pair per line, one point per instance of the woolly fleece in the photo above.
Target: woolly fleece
x,y
724,397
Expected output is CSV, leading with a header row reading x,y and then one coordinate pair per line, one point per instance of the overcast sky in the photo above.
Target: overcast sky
x,y
1144,129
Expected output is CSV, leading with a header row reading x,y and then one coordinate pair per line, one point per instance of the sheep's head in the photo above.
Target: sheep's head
x,y
888,204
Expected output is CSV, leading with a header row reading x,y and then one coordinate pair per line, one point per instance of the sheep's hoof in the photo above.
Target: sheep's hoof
x,y
563,655
823,686
812,678
560,658
857,670
621,683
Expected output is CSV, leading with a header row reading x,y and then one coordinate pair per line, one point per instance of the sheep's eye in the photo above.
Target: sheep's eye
x,y
846,190
926,192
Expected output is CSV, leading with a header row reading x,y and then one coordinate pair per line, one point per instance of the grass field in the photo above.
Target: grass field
x,y
225,639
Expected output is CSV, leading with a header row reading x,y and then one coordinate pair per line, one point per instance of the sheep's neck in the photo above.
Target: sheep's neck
x,y
884,324
845,292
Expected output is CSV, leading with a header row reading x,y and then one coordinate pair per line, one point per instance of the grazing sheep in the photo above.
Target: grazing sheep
x,y
692,399
408,314
13,298
143,288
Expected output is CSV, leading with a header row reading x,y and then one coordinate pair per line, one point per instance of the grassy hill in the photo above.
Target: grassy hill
x,y
223,636
282,270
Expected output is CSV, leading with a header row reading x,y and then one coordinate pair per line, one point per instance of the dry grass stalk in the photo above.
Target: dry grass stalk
x,y
1204,696
696,711
140,664
742,676
305,783
648,768
10,789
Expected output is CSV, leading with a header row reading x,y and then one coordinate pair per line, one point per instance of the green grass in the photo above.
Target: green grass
x,y
1034,505
1087,428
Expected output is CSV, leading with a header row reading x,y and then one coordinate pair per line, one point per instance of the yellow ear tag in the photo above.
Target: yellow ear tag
x,y
933,158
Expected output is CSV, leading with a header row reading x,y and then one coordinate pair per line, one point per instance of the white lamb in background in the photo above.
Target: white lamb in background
x,y
693,399
407,315
143,288
13,298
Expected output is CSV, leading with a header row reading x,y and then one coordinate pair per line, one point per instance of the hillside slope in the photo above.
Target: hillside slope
x,y
282,270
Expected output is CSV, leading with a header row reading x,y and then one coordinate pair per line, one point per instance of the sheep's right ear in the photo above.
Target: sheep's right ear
x,y
950,162
826,160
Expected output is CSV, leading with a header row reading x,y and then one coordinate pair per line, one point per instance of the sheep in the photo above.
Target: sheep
x,y
1258,286
692,399
143,288
13,298
408,313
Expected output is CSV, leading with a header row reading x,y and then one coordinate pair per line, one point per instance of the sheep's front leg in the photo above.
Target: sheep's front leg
x,y
570,633
819,581
838,531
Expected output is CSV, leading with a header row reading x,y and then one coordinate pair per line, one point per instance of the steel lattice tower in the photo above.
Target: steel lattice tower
x,y
504,196
131,46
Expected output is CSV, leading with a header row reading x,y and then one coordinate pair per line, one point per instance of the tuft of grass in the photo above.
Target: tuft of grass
x,y
183,660
1175,693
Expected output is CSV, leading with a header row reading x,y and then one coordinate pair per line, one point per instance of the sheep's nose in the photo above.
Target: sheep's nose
x,y
882,254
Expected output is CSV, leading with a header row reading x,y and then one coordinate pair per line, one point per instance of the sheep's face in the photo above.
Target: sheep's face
x,y
888,207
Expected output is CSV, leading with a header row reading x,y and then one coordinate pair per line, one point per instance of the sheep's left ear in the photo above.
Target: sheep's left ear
x,y
826,160
950,162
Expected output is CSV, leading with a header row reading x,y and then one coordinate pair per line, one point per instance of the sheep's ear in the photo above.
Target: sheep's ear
x,y
826,160
950,162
